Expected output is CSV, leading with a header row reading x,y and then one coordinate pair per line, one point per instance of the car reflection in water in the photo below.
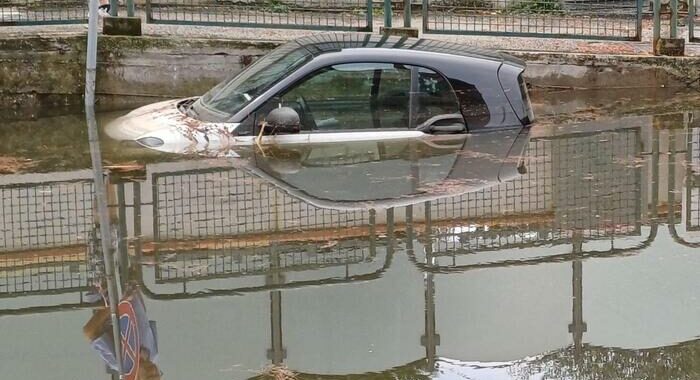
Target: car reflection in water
x,y
377,175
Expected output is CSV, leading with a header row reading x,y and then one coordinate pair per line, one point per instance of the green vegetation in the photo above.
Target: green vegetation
x,y
276,6
535,7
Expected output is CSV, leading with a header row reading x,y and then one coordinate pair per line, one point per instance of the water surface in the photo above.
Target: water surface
x,y
584,267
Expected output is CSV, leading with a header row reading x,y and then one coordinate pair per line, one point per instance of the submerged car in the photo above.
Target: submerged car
x,y
342,88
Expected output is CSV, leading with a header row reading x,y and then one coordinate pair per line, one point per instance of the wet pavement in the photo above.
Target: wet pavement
x,y
286,262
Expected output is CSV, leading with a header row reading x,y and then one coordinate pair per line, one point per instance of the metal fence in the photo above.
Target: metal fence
x,y
30,12
57,272
585,186
45,214
298,14
228,201
44,241
595,19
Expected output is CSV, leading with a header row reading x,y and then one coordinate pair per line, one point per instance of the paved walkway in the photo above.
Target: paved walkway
x,y
268,34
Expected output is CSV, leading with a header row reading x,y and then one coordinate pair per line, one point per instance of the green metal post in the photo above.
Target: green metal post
x,y
130,9
640,11
407,14
370,15
691,20
674,18
657,24
387,13
114,8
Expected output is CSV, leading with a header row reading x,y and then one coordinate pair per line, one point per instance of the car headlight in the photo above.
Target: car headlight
x,y
151,142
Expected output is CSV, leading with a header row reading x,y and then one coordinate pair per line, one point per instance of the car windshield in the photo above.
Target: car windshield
x,y
229,97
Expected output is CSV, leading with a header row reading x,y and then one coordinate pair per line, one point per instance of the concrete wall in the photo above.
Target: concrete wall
x,y
39,72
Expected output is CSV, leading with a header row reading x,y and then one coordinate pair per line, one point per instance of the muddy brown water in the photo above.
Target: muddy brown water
x,y
585,267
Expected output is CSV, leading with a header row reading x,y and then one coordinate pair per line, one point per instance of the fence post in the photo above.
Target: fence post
x,y
640,11
657,25
407,14
387,13
426,15
674,18
691,20
114,8
130,10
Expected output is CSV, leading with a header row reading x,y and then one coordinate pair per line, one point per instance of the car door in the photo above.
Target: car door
x,y
368,101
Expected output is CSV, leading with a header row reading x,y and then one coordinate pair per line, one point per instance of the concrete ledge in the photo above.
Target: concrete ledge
x,y
122,26
43,71
401,32
674,47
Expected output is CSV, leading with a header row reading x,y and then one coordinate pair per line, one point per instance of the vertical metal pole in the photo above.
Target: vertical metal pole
x,y
691,20
655,147
99,184
114,8
672,177
387,14
577,327
137,228
640,6
657,25
407,14
130,9
372,232
149,13
370,14
426,14
122,248
674,18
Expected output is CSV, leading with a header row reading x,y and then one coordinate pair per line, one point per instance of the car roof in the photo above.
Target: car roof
x,y
320,44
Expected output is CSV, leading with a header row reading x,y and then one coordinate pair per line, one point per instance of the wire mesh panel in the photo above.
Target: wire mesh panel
x,y
212,267
59,271
527,194
27,12
45,215
229,202
231,261
597,183
594,19
588,185
298,14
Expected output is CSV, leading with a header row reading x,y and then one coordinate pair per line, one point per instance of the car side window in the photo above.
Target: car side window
x,y
435,96
352,96
362,96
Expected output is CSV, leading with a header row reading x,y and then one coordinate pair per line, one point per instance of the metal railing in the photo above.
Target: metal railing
x,y
228,201
37,12
45,214
594,19
296,14
580,186
44,274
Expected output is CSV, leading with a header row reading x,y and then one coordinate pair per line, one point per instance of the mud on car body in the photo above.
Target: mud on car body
x,y
343,88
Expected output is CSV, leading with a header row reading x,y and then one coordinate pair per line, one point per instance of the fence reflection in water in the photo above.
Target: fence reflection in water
x,y
222,230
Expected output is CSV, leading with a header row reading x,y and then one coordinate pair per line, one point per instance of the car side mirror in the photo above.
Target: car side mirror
x,y
282,121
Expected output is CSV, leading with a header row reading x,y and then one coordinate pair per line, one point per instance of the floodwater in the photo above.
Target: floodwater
x,y
386,261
